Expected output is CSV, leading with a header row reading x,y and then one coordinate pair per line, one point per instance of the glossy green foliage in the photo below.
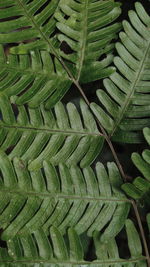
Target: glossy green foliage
x,y
28,22
63,197
84,27
33,78
61,135
140,188
54,198
56,251
125,104
31,26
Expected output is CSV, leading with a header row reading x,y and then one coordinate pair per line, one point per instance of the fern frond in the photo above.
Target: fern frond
x,y
33,78
30,22
55,250
61,135
140,189
86,32
125,108
63,197
37,77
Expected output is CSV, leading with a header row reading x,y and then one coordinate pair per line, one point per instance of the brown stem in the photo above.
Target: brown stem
x,y
104,133
113,152
141,231
116,159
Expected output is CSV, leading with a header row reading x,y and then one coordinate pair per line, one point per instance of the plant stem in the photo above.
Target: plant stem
x,y
141,231
103,132
119,167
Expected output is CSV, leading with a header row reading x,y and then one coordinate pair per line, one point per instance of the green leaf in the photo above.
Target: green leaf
x,y
62,197
133,239
124,106
88,31
31,27
61,135
59,246
140,188
28,250
29,22
33,78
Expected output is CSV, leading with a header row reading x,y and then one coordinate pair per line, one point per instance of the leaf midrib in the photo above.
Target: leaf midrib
x,y
54,51
58,196
80,263
84,38
53,131
131,92
38,28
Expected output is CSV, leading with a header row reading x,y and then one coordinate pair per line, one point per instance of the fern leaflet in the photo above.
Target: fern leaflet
x,y
37,26
63,197
140,189
125,103
60,136
87,33
55,250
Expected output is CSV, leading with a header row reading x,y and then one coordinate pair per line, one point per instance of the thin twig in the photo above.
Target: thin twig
x,y
141,231
113,152
121,172
103,132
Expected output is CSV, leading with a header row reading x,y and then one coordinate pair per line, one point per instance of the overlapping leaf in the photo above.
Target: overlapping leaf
x,y
140,189
30,22
43,190
86,28
125,108
54,250
63,197
33,78
61,135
